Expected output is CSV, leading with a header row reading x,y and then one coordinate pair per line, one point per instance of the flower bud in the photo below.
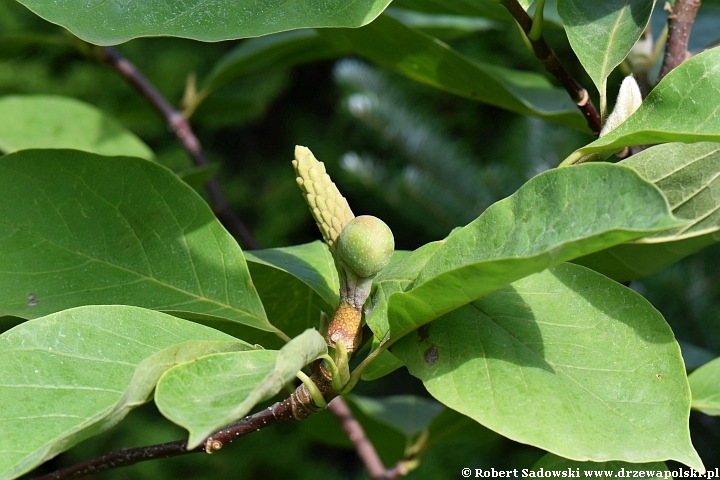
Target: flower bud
x,y
365,245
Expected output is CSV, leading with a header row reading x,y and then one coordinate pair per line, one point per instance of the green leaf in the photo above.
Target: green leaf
x,y
214,391
705,387
408,414
78,228
602,33
688,176
279,51
384,364
421,57
566,360
108,23
73,374
398,277
553,463
681,108
47,121
311,263
557,216
295,284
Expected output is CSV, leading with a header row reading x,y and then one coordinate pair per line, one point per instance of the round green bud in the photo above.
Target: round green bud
x,y
365,245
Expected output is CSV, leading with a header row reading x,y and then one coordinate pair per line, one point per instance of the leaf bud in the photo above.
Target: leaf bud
x,y
628,100
365,245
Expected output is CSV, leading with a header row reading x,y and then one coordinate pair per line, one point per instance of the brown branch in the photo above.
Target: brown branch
x,y
365,449
296,407
181,127
680,22
552,64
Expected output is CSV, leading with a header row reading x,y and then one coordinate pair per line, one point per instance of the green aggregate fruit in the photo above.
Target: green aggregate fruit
x,y
366,245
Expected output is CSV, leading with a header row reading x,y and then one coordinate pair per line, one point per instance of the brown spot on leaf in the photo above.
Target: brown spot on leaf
x,y
423,333
431,355
658,376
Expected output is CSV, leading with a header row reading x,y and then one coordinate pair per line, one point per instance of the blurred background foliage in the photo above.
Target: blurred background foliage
x,y
424,160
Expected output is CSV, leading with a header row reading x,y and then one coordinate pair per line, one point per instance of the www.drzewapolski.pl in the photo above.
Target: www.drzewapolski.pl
x,y
577,473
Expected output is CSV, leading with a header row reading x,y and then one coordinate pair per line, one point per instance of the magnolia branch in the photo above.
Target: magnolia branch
x,y
181,127
364,447
296,407
680,22
552,64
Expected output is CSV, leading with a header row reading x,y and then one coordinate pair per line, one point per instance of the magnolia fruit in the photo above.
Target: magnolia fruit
x,y
365,245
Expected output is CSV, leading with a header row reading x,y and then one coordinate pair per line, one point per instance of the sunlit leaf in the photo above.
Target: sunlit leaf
x,y
112,22
208,394
557,216
683,107
688,175
71,375
78,228
602,33
46,121
565,360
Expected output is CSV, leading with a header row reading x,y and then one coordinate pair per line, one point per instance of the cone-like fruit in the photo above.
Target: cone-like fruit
x,y
365,245
327,205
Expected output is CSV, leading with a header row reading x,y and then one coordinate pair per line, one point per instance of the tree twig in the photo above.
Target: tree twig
x,y
181,127
365,449
680,22
296,407
552,64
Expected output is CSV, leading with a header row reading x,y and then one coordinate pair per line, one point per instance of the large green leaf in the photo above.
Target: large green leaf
x,y
78,228
113,22
566,360
705,387
602,33
46,121
553,463
688,176
683,107
208,394
76,373
553,218
421,57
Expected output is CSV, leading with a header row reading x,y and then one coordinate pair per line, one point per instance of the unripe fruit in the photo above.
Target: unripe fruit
x,y
365,245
